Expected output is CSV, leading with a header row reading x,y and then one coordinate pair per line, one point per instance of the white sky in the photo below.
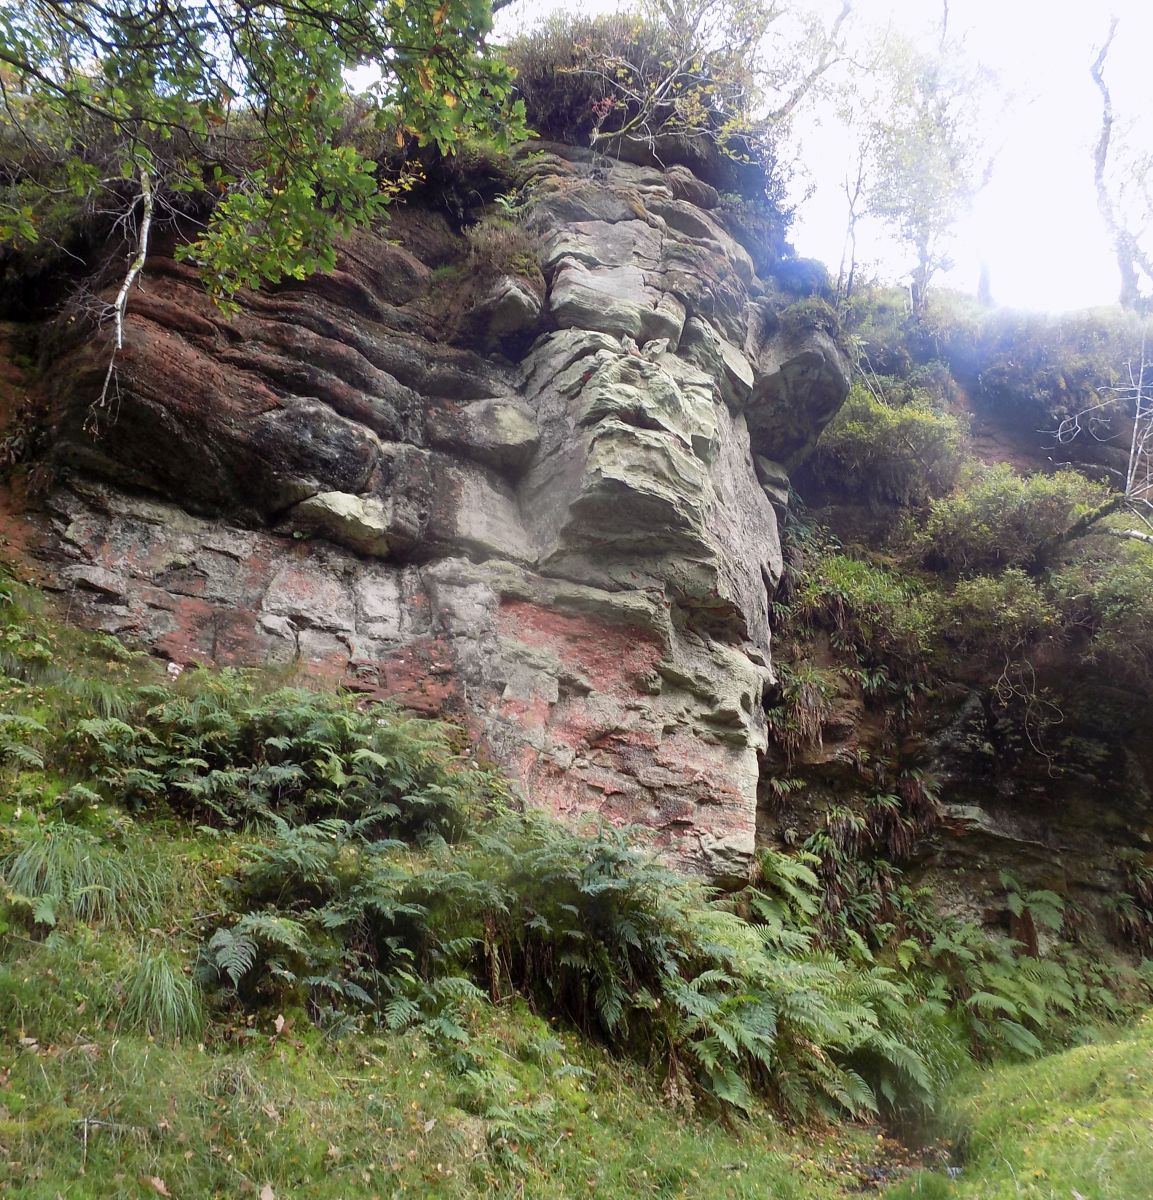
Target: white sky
x,y
1036,224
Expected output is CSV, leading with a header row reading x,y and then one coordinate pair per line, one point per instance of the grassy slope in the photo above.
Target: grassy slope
x,y
91,1108
219,1104
1071,1126
97,1115
355,1121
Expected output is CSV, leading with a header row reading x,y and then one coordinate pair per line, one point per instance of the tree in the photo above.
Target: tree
x,y
1123,175
928,158
230,118
855,109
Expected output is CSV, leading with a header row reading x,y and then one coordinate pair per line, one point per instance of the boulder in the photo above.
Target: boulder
x,y
357,522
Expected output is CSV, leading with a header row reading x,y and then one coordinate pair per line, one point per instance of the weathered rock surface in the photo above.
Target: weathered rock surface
x,y
550,529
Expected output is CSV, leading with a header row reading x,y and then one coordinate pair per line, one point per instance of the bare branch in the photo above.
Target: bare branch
x,y
120,304
830,55
1129,534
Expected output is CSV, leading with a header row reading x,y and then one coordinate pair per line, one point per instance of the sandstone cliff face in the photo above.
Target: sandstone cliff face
x,y
545,512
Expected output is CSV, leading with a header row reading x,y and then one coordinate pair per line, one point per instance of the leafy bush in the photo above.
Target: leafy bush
x,y
1001,519
564,94
878,321
1133,908
1106,594
584,78
882,452
876,614
998,615
803,316
999,995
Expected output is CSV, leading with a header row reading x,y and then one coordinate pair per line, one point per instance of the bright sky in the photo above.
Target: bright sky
x,y
1036,224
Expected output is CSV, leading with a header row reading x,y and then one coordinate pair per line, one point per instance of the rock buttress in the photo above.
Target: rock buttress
x,y
540,518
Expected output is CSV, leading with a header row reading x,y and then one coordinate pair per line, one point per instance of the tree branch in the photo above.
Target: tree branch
x,y
120,304
1129,534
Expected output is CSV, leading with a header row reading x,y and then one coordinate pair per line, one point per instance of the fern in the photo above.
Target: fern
x,y
16,732
231,953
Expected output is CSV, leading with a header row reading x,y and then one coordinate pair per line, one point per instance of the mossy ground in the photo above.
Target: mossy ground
x,y
1070,1126
98,1115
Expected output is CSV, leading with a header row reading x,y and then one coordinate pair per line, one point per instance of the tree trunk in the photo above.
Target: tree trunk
x,y
1132,263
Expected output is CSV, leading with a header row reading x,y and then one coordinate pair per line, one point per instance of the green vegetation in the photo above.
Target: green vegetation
x,y
1072,1124
997,614
233,124
536,1112
873,613
879,451
1106,597
498,246
1000,519
1027,594
300,943
1038,369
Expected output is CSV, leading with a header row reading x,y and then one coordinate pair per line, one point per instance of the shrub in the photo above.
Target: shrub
x,y
903,454
998,614
555,69
590,927
803,316
877,319
876,614
1107,594
964,985
1001,519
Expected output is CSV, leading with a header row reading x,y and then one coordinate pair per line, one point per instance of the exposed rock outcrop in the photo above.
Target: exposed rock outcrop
x,y
541,518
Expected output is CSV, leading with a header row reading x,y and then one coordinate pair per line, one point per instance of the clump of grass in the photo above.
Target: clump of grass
x,y
66,871
81,983
806,694
159,998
